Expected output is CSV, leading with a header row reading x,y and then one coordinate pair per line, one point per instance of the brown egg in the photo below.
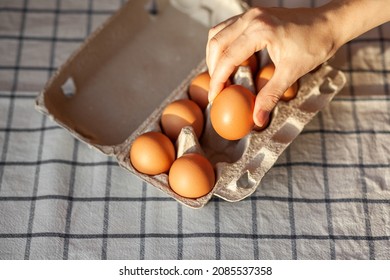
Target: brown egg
x,y
152,153
253,64
231,113
199,89
266,73
181,113
290,93
191,176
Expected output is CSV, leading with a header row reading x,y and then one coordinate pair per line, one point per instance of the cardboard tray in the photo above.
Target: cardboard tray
x,y
115,86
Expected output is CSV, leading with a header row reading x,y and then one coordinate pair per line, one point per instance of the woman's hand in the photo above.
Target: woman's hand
x,y
297,41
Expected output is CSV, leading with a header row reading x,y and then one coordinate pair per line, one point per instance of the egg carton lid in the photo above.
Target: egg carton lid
x,y
128,66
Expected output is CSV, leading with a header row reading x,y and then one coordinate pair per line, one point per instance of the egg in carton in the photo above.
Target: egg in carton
x,y
240,165
114,88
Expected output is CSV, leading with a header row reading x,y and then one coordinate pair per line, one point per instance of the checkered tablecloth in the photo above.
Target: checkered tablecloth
x,y
327,197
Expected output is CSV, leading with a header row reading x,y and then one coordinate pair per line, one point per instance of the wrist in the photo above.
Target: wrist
x,y
332,20
348,19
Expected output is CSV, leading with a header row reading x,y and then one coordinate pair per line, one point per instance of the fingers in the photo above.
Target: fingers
x,y
270,94
227,33
215,30
231,43
231,57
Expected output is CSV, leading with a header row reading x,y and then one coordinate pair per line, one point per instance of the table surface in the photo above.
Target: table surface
x,y
327,196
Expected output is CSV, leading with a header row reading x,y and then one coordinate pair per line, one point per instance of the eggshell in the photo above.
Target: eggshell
x,y
266,73
199,89
152,153
231,113
290,93
181,113
191,176
252,62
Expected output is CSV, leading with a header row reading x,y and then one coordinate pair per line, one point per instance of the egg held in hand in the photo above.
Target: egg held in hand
x,y
181,113
191,176
152,153
231,113
266,73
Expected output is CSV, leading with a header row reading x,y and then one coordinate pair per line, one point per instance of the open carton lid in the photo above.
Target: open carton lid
x,y
125,69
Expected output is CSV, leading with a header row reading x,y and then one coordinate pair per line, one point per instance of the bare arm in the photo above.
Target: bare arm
x,y
297,40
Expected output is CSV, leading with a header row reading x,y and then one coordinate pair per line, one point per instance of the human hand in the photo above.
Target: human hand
x,y
297,41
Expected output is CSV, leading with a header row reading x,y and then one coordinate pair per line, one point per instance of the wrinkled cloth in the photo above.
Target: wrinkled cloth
x,y
327,196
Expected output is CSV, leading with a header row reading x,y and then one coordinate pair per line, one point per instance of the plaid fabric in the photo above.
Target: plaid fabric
x,y
327,197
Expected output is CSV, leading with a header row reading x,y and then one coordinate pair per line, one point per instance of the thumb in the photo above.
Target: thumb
x,y
268,97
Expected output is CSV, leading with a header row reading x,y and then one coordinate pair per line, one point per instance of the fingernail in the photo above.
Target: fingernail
x,y
261,118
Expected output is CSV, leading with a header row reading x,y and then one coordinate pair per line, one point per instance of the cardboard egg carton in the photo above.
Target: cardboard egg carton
x,y
116,85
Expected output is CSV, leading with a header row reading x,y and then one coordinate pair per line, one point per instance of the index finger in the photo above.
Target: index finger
x,y
238,51
214,31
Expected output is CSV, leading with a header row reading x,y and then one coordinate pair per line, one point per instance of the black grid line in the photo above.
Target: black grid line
x,y
169,199
19,96
35,192
42,38
54,11
360,158
180,244
385,78
255,228
211,235
39,156
19,67
277,165
336,99
56,161
89,17
29,129
70,203
328,207
291,213
143,221
383,51
217,230
305,131
13,90
40,150
81,39
52,68
106,212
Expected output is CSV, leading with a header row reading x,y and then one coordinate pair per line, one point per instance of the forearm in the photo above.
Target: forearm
x,y
351,18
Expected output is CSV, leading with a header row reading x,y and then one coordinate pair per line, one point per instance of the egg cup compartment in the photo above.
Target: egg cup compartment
x,y
240,179
187,142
